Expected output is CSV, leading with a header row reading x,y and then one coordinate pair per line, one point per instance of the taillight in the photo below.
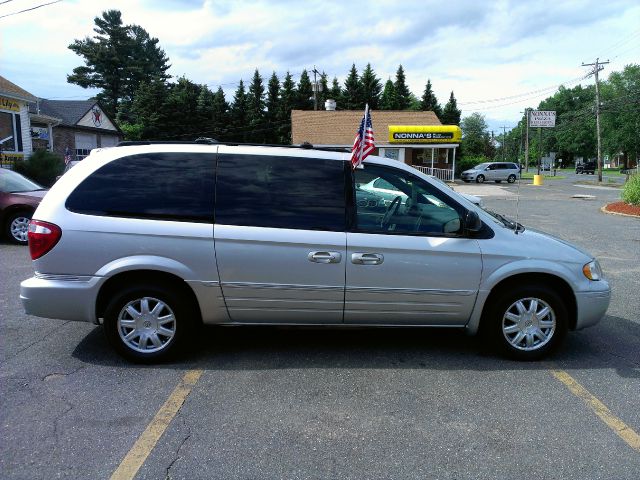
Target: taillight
x,y
43,236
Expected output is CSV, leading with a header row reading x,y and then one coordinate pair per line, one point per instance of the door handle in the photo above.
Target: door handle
x,y
324,257
367,258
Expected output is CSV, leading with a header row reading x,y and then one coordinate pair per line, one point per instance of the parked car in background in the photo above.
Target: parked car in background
x,y
586,168
496,171
19,197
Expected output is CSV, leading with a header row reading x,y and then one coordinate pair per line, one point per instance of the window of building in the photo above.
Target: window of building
x,y
7,132
162,186
396,202
85,142
280,192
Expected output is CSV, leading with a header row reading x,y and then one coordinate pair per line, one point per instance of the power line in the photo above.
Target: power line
x,y
29,9
5,1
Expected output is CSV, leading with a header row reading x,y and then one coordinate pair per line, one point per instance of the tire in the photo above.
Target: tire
x,y
160,333
16,227
519,336
480,179
511,179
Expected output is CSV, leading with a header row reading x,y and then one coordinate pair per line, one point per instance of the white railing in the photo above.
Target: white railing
x,y
441,173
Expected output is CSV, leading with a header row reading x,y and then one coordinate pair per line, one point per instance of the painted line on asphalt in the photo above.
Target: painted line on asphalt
x,y
623,430
147,441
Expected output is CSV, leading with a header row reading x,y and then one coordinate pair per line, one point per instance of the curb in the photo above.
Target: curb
x,y
604,210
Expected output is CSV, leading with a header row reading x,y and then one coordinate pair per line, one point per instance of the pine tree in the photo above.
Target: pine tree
x,y
255,109
371,87
403,95
352,98
451,114
388,100
148,111
182,101
287,101
117,60
429,101
273,105
239,115
220,116
335,93
304,98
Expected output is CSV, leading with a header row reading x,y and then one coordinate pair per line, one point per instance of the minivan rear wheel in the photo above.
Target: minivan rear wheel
x,y
527,323
148,323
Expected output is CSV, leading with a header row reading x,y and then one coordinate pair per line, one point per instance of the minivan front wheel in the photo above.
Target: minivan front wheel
x,y
528,323
480,179
147,323
511,179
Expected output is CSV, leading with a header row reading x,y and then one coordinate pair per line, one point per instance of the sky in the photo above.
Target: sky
x,y
498,57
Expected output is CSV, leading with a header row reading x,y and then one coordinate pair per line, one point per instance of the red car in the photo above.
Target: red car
x,y
19,197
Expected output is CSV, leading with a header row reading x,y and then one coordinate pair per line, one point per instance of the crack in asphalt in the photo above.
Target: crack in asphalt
x,y
51,376
177,457
56,433
38,340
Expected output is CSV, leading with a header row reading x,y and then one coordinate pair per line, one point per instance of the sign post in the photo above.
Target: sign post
x,y
541,119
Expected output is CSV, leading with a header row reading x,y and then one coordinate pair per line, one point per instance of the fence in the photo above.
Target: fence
x,y
444,174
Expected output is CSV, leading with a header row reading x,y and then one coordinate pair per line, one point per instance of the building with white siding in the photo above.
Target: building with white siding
x,y
15,124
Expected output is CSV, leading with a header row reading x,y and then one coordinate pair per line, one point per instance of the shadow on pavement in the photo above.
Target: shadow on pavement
x,y
612,344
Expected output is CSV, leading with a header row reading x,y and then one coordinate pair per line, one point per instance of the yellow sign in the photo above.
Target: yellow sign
x,y
9,159
9,104
424,134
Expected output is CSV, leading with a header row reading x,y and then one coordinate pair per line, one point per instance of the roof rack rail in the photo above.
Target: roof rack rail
x,y
211,141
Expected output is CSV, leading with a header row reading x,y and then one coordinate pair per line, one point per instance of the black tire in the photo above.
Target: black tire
x,y
480,179
511,179
183,325
15,227
506,303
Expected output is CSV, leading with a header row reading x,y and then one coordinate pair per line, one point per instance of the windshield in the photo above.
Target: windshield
x,y
12,182
481,166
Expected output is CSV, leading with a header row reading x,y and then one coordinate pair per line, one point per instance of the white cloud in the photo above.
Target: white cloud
x,y
478,50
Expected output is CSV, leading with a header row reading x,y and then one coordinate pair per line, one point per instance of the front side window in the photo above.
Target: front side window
x,y
407,204
280,192
157,186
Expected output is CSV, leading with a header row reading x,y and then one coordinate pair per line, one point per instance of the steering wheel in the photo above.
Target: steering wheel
x,y
391,211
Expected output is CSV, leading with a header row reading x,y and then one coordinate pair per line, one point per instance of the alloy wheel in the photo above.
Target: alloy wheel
x,y
146,325
529,324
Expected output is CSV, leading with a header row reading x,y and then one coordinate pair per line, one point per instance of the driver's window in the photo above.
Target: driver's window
x,y
390,200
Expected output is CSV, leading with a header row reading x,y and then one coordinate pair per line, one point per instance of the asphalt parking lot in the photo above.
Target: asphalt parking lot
x,y
284,403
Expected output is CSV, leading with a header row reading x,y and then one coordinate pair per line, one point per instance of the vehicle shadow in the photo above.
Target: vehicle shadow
x,y
613,344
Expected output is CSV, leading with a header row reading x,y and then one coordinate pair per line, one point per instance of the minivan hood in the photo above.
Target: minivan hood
x,y
552,239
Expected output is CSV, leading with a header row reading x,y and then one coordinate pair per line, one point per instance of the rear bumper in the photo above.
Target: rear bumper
x,y
62,297
592,306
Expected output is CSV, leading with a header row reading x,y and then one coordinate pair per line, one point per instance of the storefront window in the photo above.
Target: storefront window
x,y
7,132
392,153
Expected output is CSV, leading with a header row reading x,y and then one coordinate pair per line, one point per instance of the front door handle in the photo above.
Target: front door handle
x,y
324,257
367,258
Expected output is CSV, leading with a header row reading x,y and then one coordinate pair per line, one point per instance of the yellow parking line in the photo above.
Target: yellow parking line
x,y
145,443
622,429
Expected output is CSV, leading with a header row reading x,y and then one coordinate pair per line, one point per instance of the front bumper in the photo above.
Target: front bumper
x,y
61,296
592,305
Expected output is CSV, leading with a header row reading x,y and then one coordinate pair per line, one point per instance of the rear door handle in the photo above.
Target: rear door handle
x,y
324,257
367,258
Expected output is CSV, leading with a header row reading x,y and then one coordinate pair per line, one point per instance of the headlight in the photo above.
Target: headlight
x,y
592,271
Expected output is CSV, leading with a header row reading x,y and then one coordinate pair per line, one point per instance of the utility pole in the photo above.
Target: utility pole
x,y
315,88
526,144
597,66
504,143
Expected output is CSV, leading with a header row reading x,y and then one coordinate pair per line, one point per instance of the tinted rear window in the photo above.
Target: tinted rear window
x,y
280,192
164,186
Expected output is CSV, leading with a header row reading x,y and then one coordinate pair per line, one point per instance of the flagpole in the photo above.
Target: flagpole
x,y
364,131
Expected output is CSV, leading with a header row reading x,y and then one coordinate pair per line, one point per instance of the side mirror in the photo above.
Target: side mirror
x,y
472,222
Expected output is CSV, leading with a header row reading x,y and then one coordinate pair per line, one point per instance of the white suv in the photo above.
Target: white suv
x,y
152,240
496,171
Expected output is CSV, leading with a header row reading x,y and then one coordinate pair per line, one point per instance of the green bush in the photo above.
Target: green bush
x,y
42,167
631,190
465,163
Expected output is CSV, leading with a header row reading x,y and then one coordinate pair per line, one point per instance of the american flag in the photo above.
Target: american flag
x,y
67,155
363,144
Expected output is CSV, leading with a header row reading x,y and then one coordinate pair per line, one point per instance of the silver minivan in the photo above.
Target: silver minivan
x,y
492,171
153,240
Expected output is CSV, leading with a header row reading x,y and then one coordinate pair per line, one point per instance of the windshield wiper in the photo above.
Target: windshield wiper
x,y
508,223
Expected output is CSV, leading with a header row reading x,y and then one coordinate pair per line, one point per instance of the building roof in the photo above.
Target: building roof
x,y
69,111
11,90
339,127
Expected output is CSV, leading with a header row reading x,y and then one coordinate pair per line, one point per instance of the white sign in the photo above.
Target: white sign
x,y
542,118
